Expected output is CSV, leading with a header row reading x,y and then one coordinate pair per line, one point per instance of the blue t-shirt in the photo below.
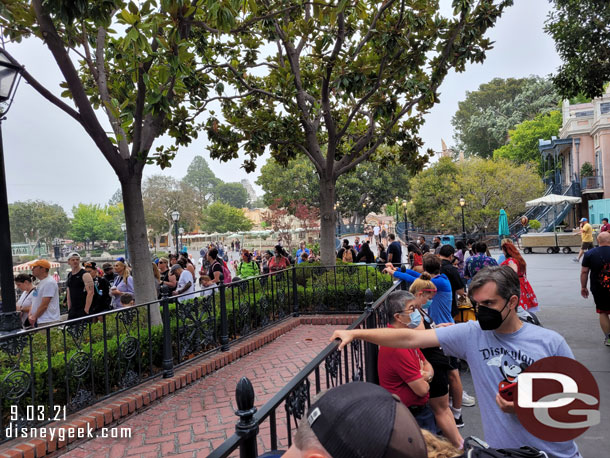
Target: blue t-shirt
x,y
440,309
300,253
493,358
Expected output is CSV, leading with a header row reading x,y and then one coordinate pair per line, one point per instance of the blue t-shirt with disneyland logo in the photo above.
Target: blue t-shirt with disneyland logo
x,y
494,357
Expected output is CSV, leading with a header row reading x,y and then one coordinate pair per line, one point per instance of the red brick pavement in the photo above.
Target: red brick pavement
x,y
201,416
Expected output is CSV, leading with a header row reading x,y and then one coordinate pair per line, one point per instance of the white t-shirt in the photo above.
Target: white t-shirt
x,y
376,230
46,288
186,277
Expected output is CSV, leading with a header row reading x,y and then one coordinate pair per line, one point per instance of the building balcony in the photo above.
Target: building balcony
x,y
591,184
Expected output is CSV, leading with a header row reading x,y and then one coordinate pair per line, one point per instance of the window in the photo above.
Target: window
x,y
584,114
604,108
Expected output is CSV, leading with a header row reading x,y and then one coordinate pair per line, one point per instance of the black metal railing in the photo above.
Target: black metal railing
x,y
67,366
330,368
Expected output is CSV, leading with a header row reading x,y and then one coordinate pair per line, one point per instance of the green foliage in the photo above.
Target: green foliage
x,y
484,118
586,170
233,194
340,80
486,185
582,39
93,222
220,217
201,178
372,183
37,220
523,144
535,224
163,195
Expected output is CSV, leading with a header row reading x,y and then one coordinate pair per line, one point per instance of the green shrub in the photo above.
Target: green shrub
x,y
535,224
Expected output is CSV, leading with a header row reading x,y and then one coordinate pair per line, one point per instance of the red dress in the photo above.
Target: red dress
x,y
528,299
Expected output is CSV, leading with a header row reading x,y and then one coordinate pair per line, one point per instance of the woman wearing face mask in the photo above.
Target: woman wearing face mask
x,y
424,291
406,372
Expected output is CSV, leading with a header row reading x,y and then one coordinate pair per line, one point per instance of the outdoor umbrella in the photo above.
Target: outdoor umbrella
x,y
503,224
28,266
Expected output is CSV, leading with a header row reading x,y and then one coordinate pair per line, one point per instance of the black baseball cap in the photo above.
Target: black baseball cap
x,y
363,419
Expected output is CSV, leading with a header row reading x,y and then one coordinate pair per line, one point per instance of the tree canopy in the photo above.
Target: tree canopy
x,y
220,217
346,78
582,39
233,194
485,116
37,220
486,185
201,178
92,223
523,144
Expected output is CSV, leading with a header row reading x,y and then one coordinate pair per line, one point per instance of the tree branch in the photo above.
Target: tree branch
x,y
87,116
44,91
369,33
328,116
102,84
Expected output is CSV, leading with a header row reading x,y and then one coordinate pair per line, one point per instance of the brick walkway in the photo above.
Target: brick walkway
x,y
201,416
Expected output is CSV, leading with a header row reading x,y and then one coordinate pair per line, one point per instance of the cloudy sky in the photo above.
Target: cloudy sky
x,y
49,156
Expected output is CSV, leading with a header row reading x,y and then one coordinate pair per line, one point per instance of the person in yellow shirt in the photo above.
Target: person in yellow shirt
x,y
586,235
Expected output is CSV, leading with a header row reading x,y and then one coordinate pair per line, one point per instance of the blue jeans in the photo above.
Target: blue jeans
x,y
425,419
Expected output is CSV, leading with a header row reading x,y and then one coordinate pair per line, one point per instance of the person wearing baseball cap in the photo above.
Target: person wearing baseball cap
x,y
358,419
45,300
586,236
109,274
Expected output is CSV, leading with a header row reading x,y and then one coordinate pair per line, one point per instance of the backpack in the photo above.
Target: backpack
x,y
347,256
476,448
226,273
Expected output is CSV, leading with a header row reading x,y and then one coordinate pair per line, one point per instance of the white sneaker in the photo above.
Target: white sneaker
x,y
467,400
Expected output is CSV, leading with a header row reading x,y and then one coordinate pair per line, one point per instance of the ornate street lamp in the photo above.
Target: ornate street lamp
x,y
10,74
462,204
175,219
396,206
124,229
56,249
404,209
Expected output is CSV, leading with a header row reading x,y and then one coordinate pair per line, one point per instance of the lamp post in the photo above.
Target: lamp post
x,y
175,219
56,249
9,318
404,208
396,206
124,229
462,204
181,232
336,221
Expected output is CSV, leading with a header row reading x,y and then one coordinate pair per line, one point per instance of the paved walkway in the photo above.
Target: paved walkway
x,y
197,419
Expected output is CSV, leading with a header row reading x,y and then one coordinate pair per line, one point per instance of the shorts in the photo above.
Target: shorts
x,y
602,302
586,246
439,386
454,362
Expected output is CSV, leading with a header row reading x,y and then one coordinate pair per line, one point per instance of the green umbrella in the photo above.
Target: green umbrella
x,y
503,224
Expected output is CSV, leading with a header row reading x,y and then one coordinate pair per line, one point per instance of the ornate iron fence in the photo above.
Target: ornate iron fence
x,y
357,362
51,371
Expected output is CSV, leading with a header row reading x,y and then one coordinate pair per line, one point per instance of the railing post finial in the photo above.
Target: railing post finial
x,y
246,427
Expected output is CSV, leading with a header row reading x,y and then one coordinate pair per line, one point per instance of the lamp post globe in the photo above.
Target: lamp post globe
x,y
10,73
124,229
463,204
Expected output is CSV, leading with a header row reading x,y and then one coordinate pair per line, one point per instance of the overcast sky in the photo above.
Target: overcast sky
x,y
48,155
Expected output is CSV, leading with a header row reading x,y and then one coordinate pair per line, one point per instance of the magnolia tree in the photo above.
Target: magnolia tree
x,y
340,79
137,69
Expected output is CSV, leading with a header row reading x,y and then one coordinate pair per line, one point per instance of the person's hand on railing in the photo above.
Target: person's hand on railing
x,y
343,335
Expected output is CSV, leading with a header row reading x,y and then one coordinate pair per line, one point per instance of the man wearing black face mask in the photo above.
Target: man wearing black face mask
x,y
497,347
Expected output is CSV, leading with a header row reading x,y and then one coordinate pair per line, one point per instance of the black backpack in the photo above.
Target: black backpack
x,y
476,448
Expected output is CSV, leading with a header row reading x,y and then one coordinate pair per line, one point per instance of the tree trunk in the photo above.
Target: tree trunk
x,y
137,243
328,221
